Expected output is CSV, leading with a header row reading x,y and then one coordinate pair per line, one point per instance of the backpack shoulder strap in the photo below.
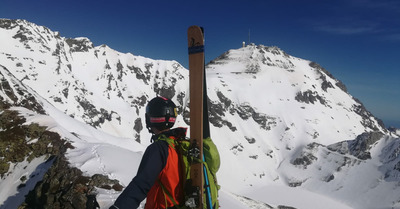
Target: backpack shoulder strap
x,y
171,142
165,192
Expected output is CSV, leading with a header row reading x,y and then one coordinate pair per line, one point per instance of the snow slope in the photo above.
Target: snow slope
x,y
95,152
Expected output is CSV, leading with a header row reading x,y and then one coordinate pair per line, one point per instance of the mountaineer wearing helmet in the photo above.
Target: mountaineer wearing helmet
x,y
159,169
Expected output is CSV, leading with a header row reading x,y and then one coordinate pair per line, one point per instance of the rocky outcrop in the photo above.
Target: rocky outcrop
x,y
66,187
360,147
62,186
309,97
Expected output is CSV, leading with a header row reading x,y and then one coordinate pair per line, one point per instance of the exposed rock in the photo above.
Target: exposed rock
x,y
325,84
305,160
367,116
245,111
359,147
140,74
253,69
265,121
8,24
62,186
17,94
251,140
307,156
237,148
139,102
66,187
324,71
309,97
19,142
138,128
285,207
79,44
217,112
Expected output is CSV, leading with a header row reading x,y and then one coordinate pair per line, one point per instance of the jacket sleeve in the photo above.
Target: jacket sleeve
x,y
153,162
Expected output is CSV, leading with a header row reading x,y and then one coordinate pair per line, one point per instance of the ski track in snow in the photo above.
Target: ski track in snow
x,y
101,166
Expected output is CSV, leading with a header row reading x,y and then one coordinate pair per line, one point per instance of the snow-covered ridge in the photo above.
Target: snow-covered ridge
x,y
281,123
88,83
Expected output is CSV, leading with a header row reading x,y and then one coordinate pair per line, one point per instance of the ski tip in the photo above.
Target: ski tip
x,y
196,29
195,26
195,39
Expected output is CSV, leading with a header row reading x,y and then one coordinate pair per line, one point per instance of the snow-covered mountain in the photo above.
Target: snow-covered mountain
x,y
71,119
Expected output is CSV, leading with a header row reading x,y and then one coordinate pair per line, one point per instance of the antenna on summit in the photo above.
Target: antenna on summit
x,y
244,43
249,36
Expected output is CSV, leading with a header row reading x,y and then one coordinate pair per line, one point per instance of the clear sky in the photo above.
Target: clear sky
x,y
356,40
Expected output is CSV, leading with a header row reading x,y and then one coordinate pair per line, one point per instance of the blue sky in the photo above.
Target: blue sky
x,y
357,41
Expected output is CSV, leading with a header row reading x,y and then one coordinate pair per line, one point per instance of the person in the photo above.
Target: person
x,y
91,202
159,169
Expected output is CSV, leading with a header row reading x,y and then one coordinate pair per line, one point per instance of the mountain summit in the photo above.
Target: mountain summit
x,y
288,132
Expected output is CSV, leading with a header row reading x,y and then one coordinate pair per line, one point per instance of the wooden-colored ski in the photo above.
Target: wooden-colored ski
x,y
196,85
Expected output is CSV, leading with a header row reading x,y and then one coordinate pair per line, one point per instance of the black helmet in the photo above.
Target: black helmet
x,y
160,113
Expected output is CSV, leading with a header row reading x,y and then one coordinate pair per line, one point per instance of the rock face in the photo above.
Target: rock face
x,y
360,147
66,187
62,186
20,142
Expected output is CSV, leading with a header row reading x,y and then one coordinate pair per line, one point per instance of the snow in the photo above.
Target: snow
x,y
96,155
257,168
294,197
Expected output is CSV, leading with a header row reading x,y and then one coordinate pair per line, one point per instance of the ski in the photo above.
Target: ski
x,y
206,134
196,86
